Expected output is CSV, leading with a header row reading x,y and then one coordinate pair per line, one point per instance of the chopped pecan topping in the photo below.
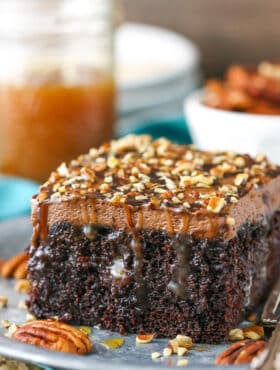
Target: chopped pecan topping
x,y
241,352
55,336
136,170
15,266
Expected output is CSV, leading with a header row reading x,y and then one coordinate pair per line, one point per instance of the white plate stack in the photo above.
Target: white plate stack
x,y
155,70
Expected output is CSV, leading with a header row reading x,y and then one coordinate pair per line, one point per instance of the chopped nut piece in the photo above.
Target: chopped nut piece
x,y
167,352
233,200
254,332
239,162
112,343
252,335
182,362
144,338
42,196
11,330
175,200
108,179
141,197
93,152
155,355
230,220
219,159
6,324
86,329
260,157
22,286
216,204
133,179
62,170
3,301
112,162
184,341
139,186
236,334
30,317
173,344
22,305
240,178
182,351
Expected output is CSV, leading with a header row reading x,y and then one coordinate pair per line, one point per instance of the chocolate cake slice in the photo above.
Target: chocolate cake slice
x,y
143,235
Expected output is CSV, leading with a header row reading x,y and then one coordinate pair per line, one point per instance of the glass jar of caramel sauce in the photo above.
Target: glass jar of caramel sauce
x,y
57,88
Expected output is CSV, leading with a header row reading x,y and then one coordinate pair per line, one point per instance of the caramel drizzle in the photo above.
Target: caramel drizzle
x,y
88,211
170,227
85,213
185,223
129,218
137,247
181,270
140,218
43,221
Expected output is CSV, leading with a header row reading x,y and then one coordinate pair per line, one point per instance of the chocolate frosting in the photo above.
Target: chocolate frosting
x,y
137,183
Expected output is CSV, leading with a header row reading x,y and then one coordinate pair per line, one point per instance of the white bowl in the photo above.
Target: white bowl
x,y
154,66
216,129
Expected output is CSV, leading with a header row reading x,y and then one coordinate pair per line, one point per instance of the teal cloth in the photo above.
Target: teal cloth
x,y
15,193
174,128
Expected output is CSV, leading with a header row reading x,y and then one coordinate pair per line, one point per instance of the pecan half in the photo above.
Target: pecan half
x,y
15,266
54,335
241,352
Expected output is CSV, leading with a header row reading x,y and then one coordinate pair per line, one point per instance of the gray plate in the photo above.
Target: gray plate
x,y
14,236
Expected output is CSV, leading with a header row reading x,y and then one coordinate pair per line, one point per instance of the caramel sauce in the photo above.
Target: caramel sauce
x,y
42,126
185,223
43,222
129,217
85,213
136,245
180,269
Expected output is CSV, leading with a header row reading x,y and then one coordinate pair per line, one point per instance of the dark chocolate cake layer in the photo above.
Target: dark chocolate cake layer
x,y
152,281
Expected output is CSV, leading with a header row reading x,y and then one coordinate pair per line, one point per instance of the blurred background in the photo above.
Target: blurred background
x,y
226,31
74,74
